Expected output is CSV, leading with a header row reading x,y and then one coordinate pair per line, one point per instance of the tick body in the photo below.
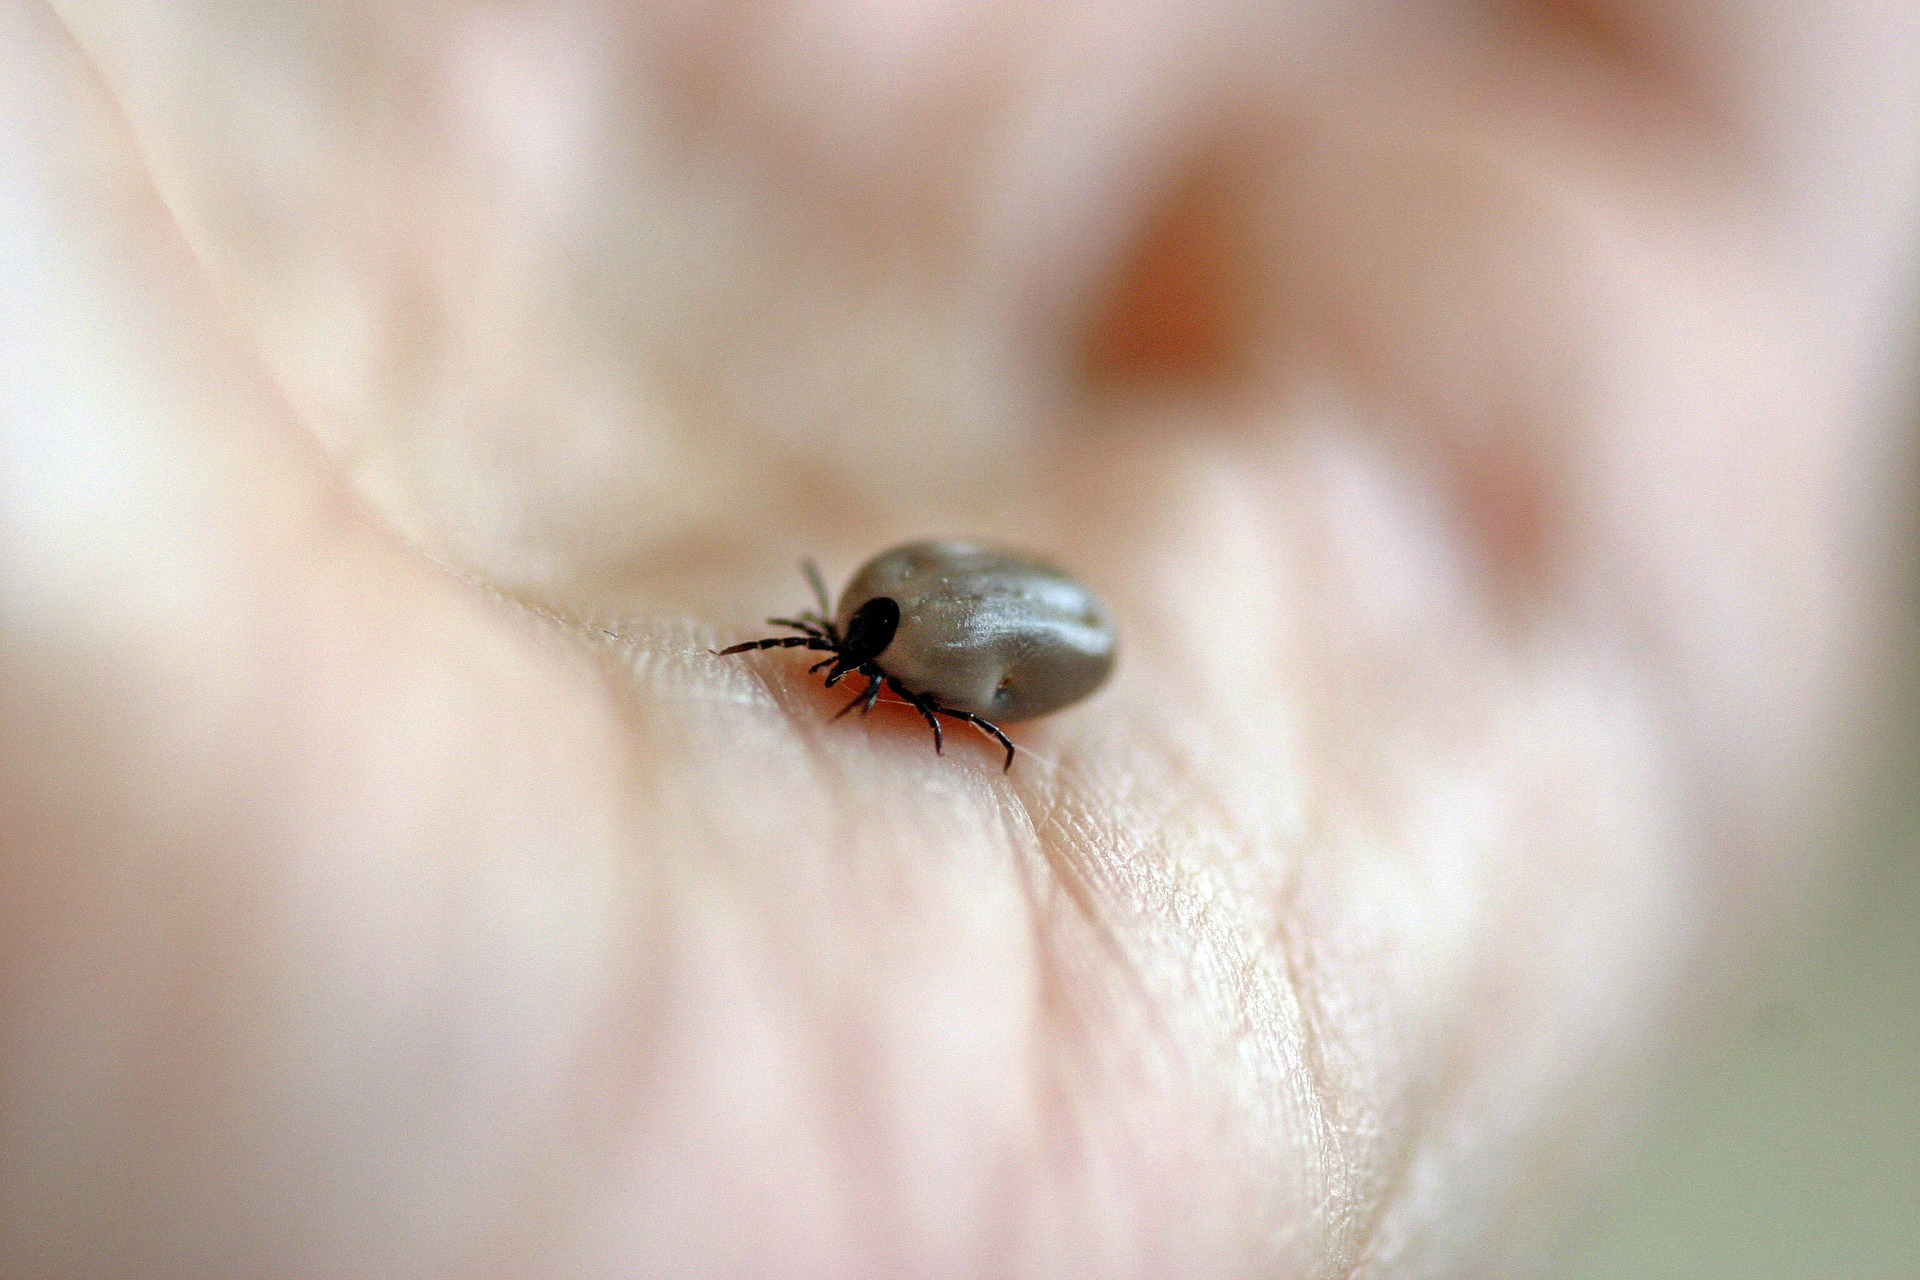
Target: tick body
x,y
964,630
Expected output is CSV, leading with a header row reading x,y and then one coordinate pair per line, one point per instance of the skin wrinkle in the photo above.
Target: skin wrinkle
x,y
613,1052
1339,1165
1163,886
1266,876
1439,1122
1068,1027
787,992
1389,1183
846,839
1384,1186
1393,1182
1058,1122
1291,1030
1078,1023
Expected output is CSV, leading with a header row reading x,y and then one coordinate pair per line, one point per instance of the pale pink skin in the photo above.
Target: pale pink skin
x,y
1489,623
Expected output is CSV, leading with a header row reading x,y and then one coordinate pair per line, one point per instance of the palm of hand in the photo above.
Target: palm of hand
x,y
409,924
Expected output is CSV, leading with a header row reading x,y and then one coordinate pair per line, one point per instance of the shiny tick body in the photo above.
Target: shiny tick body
x,y
958,629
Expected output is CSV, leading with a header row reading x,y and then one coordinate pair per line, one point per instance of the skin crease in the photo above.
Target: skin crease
x,y
1489,524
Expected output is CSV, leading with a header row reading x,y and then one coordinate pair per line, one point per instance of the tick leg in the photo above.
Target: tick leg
x,y
824,625
777,642
812,572
925,707
987,727
933,722
824,663
866,695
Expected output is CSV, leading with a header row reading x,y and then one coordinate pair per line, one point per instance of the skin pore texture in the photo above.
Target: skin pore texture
x,y
1469,412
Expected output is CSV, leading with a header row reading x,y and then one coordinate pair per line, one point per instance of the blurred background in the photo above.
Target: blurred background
x,y
1789,1145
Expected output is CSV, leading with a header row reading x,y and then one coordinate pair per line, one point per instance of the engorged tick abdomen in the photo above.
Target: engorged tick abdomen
x,y
985,629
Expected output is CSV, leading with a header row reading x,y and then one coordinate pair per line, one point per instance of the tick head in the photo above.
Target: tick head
x,y
870,630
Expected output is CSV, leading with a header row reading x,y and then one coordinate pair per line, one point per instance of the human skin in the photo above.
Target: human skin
x,y
1474,416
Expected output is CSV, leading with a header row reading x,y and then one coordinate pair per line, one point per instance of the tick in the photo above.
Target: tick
x,y
973,632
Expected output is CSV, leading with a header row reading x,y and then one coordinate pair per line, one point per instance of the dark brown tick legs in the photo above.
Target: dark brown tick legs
x,y
987,727
867,695
929,709
924,706
776,642
812,572
811,623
